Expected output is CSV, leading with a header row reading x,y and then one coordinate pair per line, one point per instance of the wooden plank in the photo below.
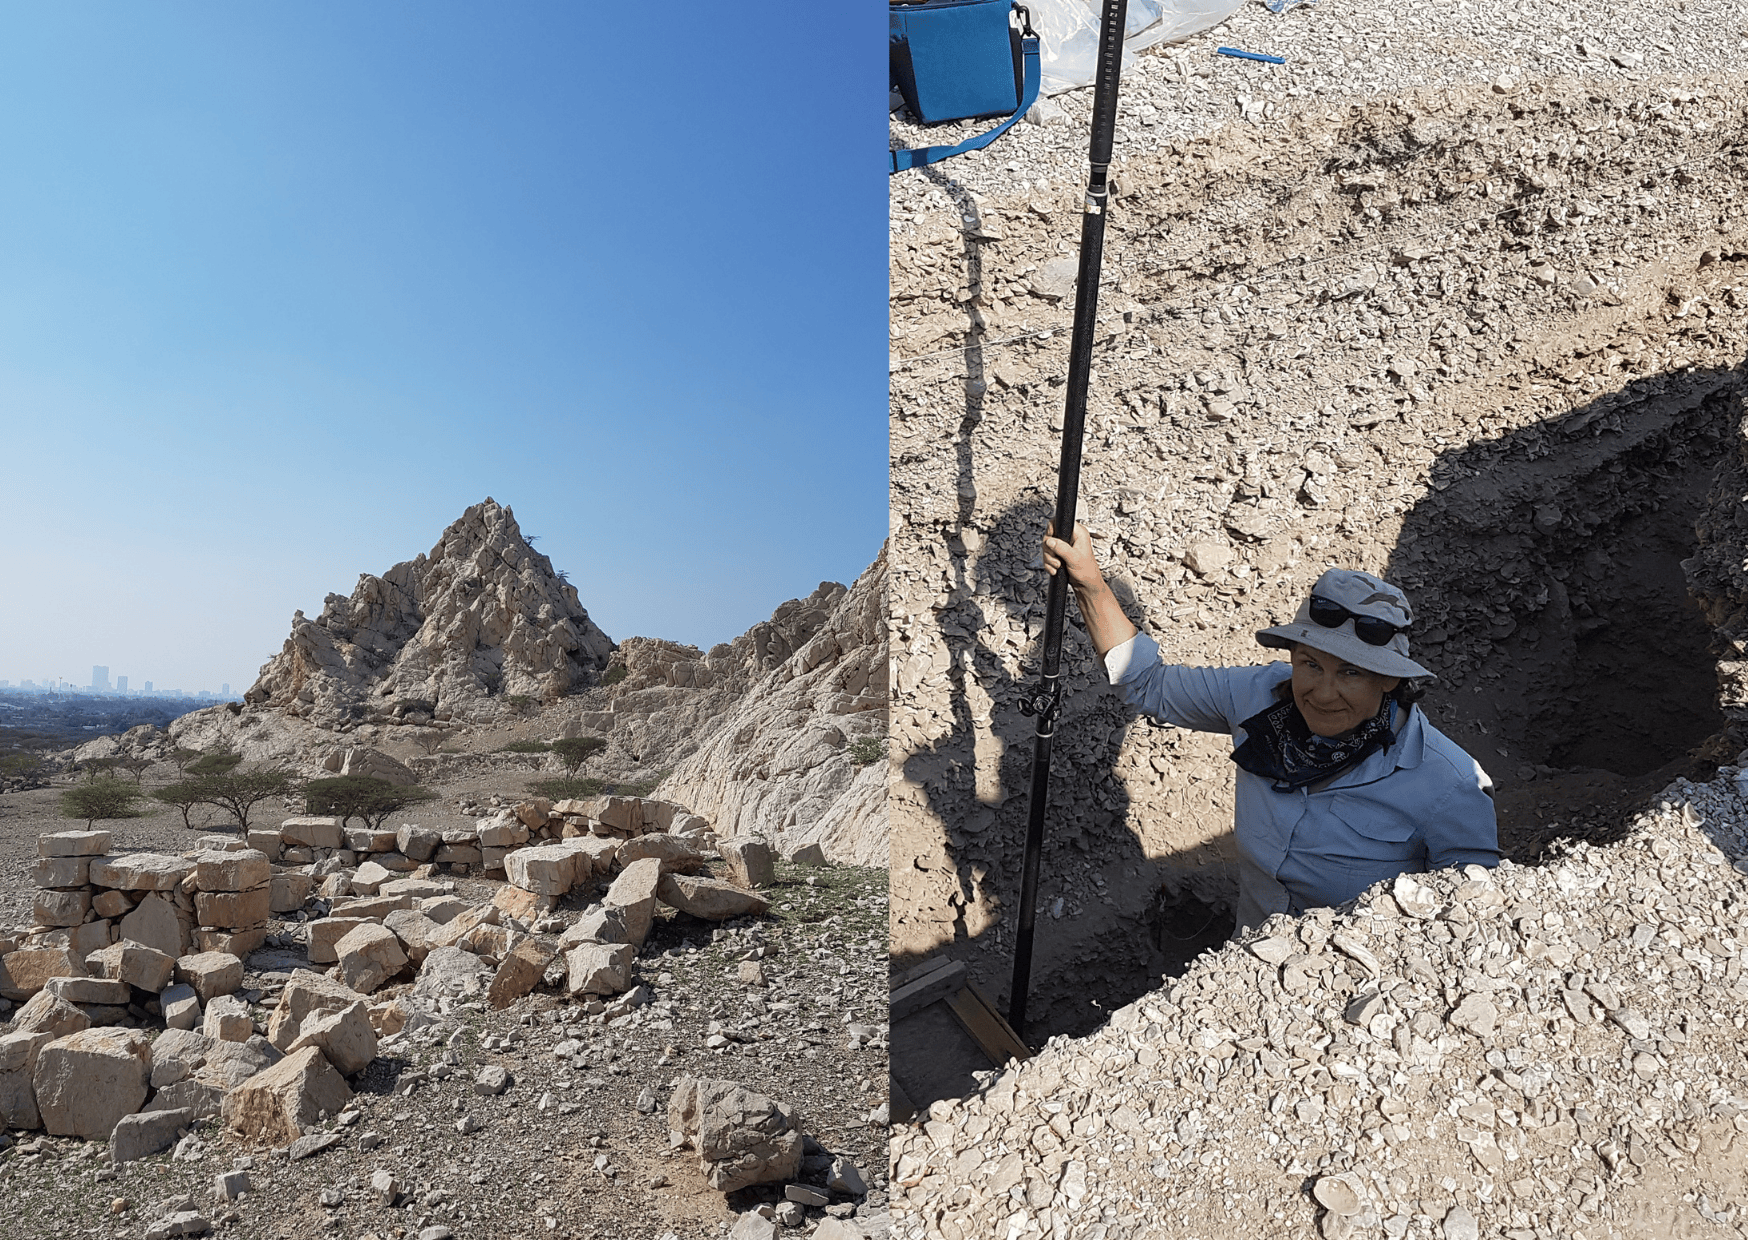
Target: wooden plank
x,y
915,972
925,990
985,1024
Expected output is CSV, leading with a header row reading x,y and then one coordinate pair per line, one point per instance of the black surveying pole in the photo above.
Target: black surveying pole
x,y
1047,701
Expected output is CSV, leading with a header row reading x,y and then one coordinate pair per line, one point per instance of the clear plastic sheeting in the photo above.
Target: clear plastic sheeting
x,y
1068,31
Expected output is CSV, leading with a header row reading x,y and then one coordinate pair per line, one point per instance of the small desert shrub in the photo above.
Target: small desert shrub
x,y
614,674
100,799
567,789
218,762
525,747
867,749
641,788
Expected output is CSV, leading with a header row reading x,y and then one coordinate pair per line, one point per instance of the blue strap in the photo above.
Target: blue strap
x,y
918,156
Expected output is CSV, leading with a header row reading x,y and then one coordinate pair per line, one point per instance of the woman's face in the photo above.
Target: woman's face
x,y
1334,695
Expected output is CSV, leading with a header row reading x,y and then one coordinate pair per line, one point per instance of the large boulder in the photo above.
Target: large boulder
x,y
674,852
369,955
144,967
749,861
548,870
413,929
141,871
24,973
742,1138
147,1133
635,892
47,1012
708,898
73,844
273,1107
86,1081
18,1053
306,994
233,910
450,972
599,968
346,1038
210,974
154,923
519,972
312,832
240,870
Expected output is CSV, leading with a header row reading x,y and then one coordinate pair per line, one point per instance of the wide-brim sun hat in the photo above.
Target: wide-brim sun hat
x,y
1360,594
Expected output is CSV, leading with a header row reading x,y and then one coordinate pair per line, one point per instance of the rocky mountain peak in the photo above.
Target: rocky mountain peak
x,y
482,617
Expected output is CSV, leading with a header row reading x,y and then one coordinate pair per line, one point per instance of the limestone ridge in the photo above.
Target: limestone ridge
x,y
673,695
482,616
778,764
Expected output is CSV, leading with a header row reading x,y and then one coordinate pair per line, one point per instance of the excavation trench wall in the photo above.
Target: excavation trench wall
x,y
1489,345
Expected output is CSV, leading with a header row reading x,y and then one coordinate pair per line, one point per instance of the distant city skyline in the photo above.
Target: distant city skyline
x,y
99,684
61,685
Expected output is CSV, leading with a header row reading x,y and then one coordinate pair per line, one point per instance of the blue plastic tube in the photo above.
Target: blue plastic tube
x,y
1233,51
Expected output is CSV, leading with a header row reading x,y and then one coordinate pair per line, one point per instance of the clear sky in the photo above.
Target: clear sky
x,y
286,287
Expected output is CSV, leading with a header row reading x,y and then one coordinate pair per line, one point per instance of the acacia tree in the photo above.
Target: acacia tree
x,y
238,792
137,767
182,756
98,768
362,796
100,799
184,795
576,750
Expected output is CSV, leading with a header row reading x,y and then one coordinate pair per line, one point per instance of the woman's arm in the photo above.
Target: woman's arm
x,y
1105,622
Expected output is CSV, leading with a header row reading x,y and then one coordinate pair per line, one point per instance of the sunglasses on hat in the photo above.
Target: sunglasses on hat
x,y
1369,629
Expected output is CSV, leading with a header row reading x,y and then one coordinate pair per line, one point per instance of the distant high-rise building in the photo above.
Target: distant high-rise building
x,y
225,689
100,679
121,684
148,686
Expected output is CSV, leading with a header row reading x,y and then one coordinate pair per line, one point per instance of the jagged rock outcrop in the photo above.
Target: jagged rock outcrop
x,y
672,697
780,764
441,636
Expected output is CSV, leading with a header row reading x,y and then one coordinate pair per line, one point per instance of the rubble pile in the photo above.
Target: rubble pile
x,y
133,940
1520,1052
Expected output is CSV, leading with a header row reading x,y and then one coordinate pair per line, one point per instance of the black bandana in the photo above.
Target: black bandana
x,y
1281,746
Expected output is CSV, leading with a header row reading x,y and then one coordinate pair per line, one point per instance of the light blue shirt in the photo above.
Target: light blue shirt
x,y
1420,804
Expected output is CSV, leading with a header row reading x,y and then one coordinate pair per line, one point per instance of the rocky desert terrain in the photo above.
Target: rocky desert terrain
x,y
1453,296
521,1036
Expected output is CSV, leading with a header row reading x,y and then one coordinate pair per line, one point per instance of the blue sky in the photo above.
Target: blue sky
x,y
284,288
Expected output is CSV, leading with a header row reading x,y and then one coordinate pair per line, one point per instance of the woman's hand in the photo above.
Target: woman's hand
x,y
1083,567
1105,622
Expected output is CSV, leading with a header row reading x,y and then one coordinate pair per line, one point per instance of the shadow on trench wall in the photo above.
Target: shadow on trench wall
x,y
1545,567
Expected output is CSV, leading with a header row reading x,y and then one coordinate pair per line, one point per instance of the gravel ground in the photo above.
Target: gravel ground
x,y
566,1151
1528,1053
1338,52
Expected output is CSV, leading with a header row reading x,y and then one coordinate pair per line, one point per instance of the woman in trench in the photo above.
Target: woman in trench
x,y
1341,781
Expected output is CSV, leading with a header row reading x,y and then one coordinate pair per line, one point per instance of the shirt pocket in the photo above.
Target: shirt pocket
x,y
1375,831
